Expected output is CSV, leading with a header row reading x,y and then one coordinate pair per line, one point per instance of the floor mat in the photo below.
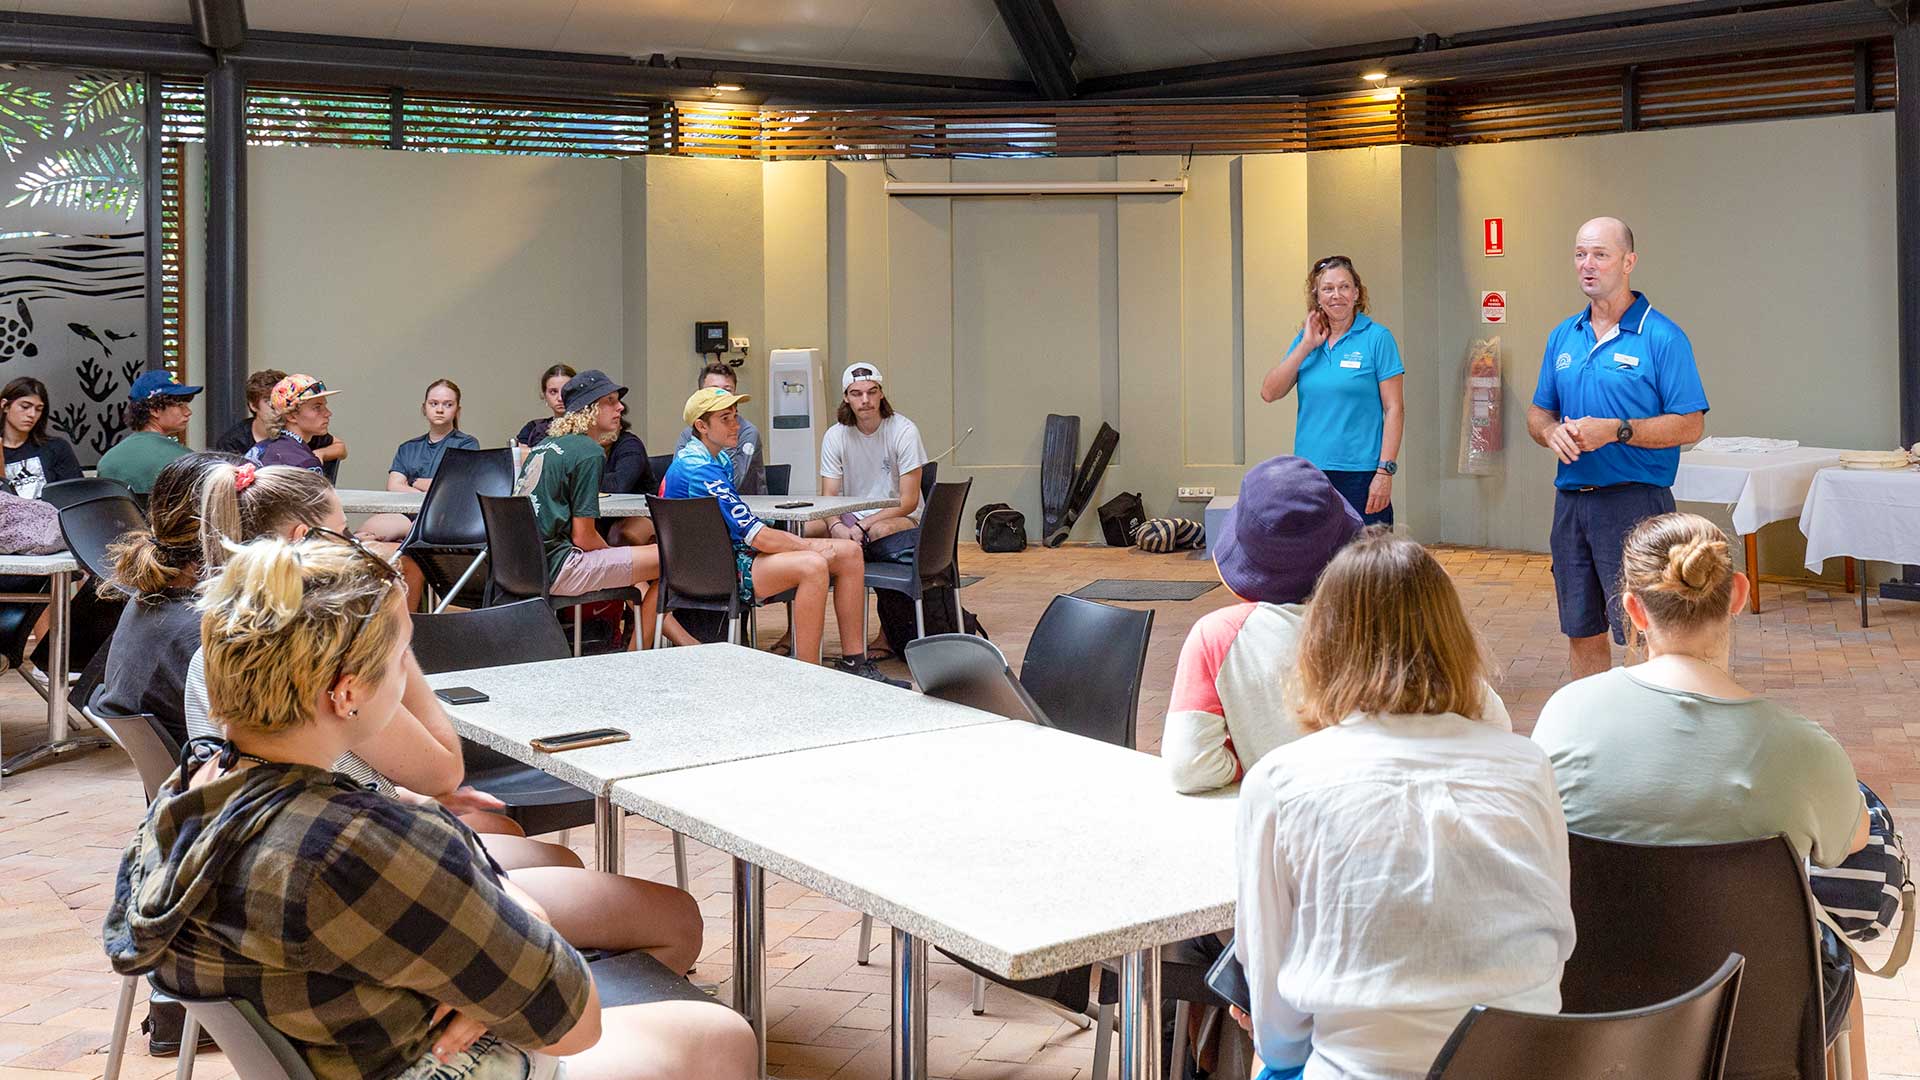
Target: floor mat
x,y
1124,589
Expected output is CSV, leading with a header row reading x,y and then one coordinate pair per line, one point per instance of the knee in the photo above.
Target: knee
x,y
815,567
718,1043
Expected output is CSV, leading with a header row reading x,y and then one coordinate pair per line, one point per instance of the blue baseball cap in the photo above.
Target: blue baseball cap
x,y
153,384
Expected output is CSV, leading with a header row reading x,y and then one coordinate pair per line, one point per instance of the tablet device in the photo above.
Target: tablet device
x,y
1228,979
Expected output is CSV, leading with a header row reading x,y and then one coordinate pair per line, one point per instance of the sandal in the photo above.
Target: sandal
x,y
781,648
880,654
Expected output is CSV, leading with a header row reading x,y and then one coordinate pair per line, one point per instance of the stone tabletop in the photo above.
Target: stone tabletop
x,y
1024,849
684,707
818,508
39,565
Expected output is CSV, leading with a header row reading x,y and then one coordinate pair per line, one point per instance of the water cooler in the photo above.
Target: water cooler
x,y
792,401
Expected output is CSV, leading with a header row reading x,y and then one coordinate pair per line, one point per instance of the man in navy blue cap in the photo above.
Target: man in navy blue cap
x,y
158,409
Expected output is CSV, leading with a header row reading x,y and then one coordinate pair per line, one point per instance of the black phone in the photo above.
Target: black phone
x,y
1228,979
577,740
461,695
790,505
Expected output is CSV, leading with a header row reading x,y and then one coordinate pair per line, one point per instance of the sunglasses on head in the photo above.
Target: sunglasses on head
x,y
388,574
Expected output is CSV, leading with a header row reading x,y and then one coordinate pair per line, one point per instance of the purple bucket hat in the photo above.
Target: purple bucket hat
x,y
1284,530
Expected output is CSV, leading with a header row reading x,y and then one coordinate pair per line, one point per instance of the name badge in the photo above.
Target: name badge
x,y
1626,361
1350,363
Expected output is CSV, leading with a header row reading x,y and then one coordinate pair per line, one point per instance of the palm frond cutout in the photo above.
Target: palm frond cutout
x,y
105,177
93,98
24,112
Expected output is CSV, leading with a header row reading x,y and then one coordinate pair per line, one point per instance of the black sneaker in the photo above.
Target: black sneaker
x,y
864,668
166,1021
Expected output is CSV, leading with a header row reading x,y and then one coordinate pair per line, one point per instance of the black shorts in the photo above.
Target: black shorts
x,y
1589,529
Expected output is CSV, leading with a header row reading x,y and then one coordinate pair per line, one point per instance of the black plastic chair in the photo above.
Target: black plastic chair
x,y
697,568
658,463
91,525
448,540
971,671
1084,665
517,561
64,493
1651,917
936,556
1685,1038
779,479
518,633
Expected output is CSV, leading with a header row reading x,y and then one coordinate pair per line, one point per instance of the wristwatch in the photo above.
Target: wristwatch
x,y
1623,433
1388,467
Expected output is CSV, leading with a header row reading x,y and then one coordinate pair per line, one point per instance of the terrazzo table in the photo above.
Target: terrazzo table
x,y
60,567
818,508
1023,849
685,707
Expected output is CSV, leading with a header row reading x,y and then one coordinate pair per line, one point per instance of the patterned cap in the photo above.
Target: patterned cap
x,y
289,393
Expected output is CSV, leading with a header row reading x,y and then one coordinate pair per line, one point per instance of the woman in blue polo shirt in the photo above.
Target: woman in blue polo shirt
x,y
1347,370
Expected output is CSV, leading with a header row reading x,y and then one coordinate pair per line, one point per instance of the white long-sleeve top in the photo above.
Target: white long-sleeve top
x,y
1396,871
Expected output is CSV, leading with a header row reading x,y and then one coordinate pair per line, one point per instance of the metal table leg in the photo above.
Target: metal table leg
x,y
609,836
59,634
909,1026
750,951
1140,1015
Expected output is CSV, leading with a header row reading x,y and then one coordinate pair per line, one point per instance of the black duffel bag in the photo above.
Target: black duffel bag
x,y
1000,528
1120,516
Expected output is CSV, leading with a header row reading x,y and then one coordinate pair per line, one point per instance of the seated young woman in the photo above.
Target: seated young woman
x,y
1673,750
376,936
417,758
159,629
1408,859
416,460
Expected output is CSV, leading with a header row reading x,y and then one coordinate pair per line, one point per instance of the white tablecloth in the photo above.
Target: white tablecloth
x,y
1760,487
1866,513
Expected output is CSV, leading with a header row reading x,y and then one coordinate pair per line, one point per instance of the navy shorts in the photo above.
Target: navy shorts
x,y
1353,487
1589,529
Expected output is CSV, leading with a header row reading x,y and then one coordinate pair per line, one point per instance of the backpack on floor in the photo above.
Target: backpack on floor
x,y
896,616
1120,516
1000,528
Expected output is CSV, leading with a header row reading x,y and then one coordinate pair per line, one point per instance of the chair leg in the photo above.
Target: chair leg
x,y
919,618
959,615
1843,1056
680,861
660,628
866,940
979,995
733,629
1103,1042
189,1046
122,1019
577,620
1177,1061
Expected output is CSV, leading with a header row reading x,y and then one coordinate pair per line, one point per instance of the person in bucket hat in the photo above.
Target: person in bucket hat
x,y
1229,705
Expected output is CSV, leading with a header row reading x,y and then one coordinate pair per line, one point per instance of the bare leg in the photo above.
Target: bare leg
x,y
1589,655
646,569
669,1040
806,573
595,910
849,570
631,532
483,821
387,527
518,853
889,526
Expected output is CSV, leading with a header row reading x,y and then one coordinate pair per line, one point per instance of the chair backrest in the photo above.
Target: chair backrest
x,y
971,671
256,1049
145,741
517,633
1651,918
928,474
1084,665
90,525
779,479
938,553
64,493
450,514
1685,1038
516,555
696,552
659,464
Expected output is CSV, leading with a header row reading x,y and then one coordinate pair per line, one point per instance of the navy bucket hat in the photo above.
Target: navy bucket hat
x,y
1285,528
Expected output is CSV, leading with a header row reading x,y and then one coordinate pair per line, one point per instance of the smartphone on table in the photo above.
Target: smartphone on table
x,y
578,740
461,695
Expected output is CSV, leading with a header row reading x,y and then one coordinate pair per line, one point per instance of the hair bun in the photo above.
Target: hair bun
x,y
1696,566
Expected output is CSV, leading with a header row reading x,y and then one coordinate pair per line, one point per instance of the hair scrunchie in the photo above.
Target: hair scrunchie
x,y
243,477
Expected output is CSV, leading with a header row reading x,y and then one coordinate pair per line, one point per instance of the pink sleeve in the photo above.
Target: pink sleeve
x,y
1196,744
1194,682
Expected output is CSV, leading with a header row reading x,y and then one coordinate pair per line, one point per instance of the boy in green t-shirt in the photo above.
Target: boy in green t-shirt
x,y
158,410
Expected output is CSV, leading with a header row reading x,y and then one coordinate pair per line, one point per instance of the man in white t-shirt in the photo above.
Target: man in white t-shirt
x,y
873,452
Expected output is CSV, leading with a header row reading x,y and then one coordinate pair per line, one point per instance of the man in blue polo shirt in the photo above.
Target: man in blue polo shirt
x,y
1618,395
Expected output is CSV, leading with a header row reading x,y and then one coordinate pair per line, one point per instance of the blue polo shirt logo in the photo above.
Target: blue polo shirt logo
x,y
1645,367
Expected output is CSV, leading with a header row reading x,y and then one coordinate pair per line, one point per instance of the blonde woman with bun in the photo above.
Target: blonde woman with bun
x,y
1673,750
376,936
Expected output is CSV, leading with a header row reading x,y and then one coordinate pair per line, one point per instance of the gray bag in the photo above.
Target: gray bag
x,y
29,527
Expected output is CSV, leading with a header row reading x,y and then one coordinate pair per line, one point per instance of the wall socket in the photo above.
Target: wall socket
x,y
1199,494
738,344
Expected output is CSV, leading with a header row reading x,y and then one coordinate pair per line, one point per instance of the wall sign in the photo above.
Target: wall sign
x,y
1495,235
1493,307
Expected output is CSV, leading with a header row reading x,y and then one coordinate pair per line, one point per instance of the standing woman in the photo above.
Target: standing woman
x,y
553,383
1347,369
33,458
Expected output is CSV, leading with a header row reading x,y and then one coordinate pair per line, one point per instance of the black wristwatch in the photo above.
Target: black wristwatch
x,y
1623,433
1388,467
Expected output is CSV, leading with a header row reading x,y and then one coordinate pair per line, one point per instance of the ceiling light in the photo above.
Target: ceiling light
x,y
1375,77
728,88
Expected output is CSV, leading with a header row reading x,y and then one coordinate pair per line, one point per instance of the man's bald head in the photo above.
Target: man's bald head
x,y
1603,259
1609,228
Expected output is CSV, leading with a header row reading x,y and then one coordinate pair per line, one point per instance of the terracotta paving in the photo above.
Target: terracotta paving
x,y
62,827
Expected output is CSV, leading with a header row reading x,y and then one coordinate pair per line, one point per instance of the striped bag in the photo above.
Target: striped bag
x,y
1861,897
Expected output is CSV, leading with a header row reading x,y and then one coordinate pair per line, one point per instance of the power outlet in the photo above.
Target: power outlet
x,y
1196,494
738,344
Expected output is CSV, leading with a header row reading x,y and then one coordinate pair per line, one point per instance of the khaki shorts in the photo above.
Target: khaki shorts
x,y
591,571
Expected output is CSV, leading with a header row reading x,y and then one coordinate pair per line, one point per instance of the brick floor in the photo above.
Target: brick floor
x,y
62,827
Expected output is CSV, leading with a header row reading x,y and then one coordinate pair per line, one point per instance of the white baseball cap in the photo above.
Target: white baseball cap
x,y
865,371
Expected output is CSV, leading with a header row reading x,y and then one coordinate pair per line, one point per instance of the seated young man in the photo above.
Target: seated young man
x,y
562,475
749,460
873,452
301,415
771,561
158,410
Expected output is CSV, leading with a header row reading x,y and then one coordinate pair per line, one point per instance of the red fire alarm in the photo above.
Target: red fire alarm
x,y
1496,236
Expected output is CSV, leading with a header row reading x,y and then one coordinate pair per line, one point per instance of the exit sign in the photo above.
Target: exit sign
x,y
1496,236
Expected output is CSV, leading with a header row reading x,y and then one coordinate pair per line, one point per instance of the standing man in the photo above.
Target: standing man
x,y
158,410
1618,395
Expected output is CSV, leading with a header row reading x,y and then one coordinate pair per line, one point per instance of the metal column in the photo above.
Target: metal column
x,y
226,282
152,161
1906,254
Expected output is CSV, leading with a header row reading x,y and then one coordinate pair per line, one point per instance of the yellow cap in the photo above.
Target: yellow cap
x,y
711,399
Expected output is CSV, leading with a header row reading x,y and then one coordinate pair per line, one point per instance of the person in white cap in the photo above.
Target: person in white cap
x,y
872,453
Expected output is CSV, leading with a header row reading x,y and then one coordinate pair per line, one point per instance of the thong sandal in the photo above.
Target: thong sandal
x,y
781,648
880,654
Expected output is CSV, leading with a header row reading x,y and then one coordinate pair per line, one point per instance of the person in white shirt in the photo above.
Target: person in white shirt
x,y
872,453
1406,860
